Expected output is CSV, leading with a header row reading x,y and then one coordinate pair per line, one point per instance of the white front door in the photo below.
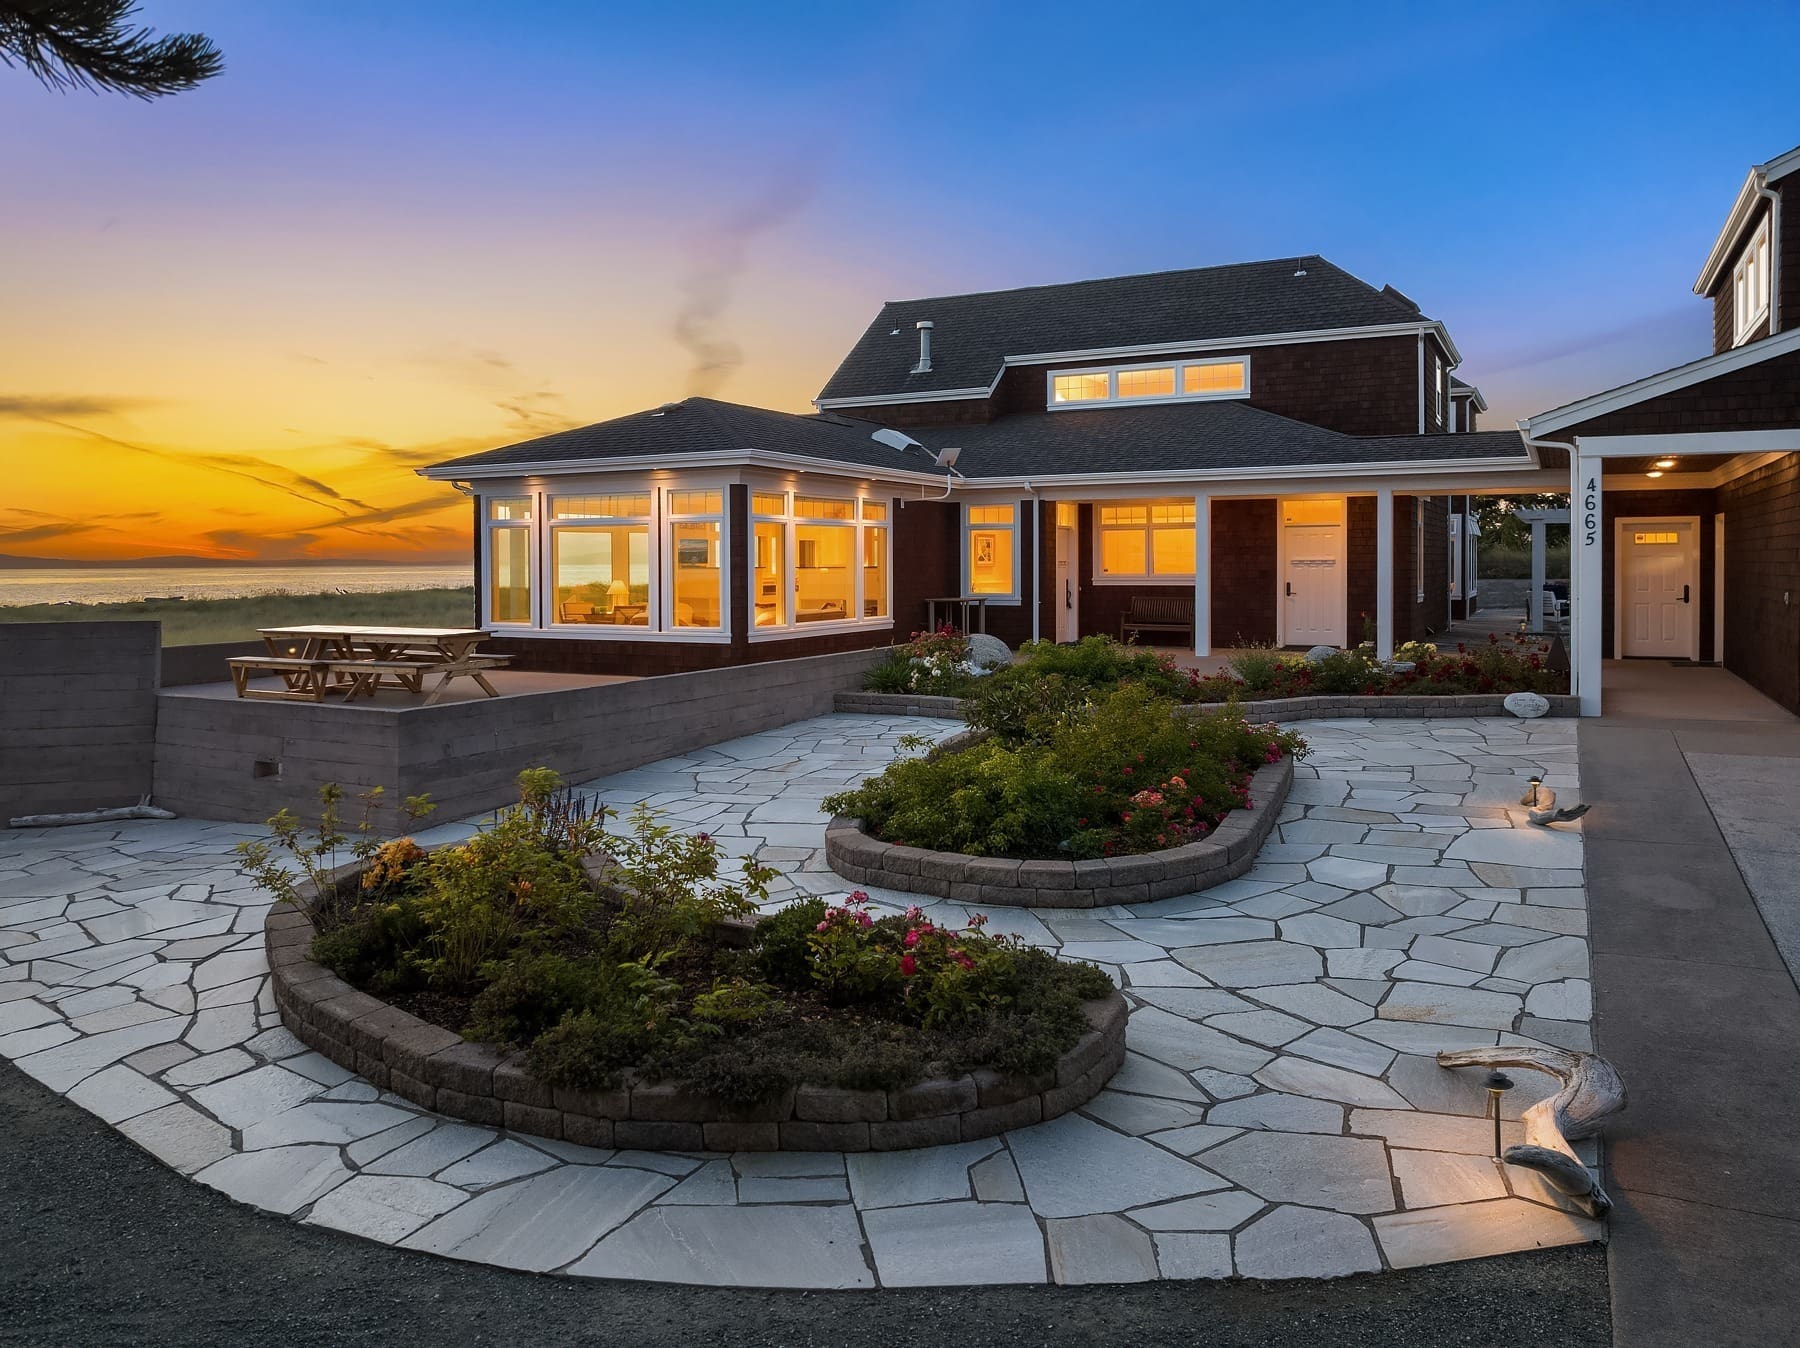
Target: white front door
x,y
1659,589
1312,583
1068,589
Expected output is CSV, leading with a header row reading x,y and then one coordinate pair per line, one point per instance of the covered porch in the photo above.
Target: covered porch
x,y
1685,496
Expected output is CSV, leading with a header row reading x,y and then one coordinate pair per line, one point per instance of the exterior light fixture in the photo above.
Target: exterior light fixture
x,y
1535,783
1654,472
1665,463
1498,1084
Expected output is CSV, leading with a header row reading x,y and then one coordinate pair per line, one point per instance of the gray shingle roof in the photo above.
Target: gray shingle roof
x,y
703,426
1165,437
1176,437
973,334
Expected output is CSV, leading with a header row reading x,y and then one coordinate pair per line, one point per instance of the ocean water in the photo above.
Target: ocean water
x,y
105,585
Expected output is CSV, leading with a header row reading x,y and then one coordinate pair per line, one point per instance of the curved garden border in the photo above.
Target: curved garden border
x,y
1004,882
437,1069
1317,707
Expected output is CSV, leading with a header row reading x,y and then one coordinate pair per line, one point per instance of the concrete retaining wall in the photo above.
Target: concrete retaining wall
x,y
230,759
186,665
77,714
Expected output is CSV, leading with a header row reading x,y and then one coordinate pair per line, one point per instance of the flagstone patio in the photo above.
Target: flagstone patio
x,y
1279,1114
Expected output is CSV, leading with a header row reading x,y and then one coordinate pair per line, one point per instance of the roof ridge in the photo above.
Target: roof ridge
x,y
1131,276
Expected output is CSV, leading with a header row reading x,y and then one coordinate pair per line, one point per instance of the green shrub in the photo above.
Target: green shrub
x,y
784,943
1345,674
1260,667
932,663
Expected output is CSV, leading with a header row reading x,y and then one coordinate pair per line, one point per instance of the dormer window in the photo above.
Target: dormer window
x,y
1750,286
1174,381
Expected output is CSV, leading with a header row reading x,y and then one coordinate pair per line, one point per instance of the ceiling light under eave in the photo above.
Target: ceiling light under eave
x,y
1665,463
1654,472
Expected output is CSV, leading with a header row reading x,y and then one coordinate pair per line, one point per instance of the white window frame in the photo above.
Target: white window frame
x,y
529,526
662,581
1102,577
1443,392
859,526
551,524
1180,368
1750,279
1018,510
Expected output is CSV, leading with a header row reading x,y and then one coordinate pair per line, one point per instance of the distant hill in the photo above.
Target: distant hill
x,y
13,562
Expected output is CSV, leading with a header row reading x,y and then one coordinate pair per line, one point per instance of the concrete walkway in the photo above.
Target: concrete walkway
x,y
1696,1006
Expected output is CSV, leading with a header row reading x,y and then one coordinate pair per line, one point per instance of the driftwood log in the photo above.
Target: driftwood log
x,y
1591,1092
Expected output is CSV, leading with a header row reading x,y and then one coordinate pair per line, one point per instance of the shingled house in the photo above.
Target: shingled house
x,y
1271,452
1686,483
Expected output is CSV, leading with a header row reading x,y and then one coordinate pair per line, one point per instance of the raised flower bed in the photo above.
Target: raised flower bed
x,y
1063,796
816,1027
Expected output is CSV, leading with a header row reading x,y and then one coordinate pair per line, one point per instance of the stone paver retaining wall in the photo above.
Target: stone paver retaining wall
x,y
437,1069
1413,706
1098,883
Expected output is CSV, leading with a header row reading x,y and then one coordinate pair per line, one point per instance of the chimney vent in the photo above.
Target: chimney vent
x,y
924,326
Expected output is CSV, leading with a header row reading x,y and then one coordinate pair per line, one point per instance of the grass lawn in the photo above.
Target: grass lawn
x,y
194,622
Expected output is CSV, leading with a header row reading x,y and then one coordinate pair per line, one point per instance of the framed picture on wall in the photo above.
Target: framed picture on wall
x,y
691,552
984,549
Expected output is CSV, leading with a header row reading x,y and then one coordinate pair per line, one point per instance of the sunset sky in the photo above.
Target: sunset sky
x,y
237,318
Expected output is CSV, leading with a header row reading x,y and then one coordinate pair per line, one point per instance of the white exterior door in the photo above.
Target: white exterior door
x,y
1068,589
1659,589
1312,592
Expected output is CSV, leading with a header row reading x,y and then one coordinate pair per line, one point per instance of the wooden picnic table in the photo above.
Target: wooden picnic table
x,y
315,659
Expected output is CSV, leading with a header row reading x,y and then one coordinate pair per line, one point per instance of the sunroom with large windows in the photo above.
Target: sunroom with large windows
x,y
674,559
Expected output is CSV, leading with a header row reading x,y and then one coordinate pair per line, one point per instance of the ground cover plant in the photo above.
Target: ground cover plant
x,y
1065,770
603,952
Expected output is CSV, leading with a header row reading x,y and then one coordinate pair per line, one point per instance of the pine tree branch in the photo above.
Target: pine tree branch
x,y
89,44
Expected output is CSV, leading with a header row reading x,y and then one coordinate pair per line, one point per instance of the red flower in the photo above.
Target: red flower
x,y
908,966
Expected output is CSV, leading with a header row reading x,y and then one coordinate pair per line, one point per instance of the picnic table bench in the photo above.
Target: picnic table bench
x,y
317,660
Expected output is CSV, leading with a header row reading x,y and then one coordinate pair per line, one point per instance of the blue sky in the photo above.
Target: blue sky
x,y
421,224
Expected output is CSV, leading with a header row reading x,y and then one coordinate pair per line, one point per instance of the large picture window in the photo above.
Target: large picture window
x,y
817,559
1143,539
991,553
509,559
600,559
696,559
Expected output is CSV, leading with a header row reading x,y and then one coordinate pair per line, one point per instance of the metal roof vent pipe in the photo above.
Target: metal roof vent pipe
x,y
924,365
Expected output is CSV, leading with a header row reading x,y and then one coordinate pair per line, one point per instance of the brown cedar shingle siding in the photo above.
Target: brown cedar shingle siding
x,y
1367,386
1243,572
927,535
1762,564
1759,397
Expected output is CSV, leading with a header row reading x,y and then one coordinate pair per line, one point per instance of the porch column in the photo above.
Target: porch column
x,y
1587,535
1536,608
1384,573
1202,573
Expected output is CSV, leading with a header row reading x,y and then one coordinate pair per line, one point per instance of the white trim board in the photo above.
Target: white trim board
x,y
1742,207
1665,381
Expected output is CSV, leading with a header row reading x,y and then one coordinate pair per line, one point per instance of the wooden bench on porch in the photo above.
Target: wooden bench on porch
x,y
1169,614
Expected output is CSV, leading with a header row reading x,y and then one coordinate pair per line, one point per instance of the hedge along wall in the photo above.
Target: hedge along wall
x,y
1316,708
1004,882
437,1069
